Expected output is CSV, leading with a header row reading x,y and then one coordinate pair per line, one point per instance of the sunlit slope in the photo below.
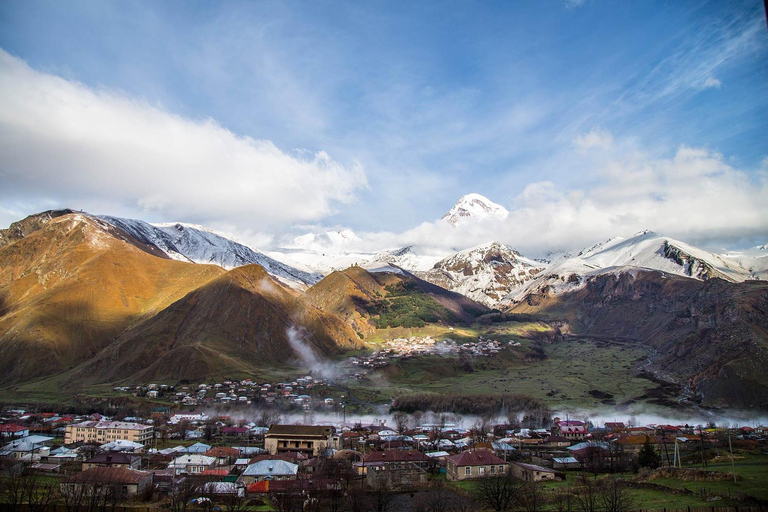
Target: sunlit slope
x,y
69,287
234,325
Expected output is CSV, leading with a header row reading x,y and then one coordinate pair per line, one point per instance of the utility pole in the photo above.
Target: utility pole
x,y
733,464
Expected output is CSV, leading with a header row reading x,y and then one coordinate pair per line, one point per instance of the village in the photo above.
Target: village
x,y
189,459
404,348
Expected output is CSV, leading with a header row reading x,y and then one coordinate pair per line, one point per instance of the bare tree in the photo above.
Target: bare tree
x,y
563,501
181,494
499,493
381,497
481,429
285,501
532,496
39,493
267,418
614,497
402,422
12,489
586,495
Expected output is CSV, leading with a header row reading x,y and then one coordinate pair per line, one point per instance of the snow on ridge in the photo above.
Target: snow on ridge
x,y
644,251
197,244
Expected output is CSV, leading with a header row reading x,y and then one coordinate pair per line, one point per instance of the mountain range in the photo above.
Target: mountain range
x,y
91,299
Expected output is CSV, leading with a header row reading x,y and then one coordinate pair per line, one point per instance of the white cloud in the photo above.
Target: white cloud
x,y
598,139
60,139
693,195
711,83
573,4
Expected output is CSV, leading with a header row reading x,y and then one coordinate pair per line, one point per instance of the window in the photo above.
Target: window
x,y
493,469
468,470
481,470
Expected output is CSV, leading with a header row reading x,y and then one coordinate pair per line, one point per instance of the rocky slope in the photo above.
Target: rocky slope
x,y
486,273
709,337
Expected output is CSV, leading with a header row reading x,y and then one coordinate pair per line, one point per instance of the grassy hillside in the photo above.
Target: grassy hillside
x,y
70,287
370,301
232,325
710,337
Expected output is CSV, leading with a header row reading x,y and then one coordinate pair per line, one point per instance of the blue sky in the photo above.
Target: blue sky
x,y
409,105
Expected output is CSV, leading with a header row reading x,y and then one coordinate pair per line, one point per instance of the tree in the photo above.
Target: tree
x,y
614,497
402,421
481,429
182,492
499,493
381,497
586,496
267,418
532,496
648,458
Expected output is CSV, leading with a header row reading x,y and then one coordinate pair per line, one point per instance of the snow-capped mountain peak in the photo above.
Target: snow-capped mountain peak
x,y
408,258
485,273
198,244
329,241
472,207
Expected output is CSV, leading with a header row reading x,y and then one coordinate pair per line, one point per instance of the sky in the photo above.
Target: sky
x,y
586,119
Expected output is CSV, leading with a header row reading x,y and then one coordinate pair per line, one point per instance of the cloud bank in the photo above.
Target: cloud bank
x,y
65,144
693,195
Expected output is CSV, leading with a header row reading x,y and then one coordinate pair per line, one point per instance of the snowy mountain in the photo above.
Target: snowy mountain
x,y
486,273
755,260
188,242
472,207
330,241
407,258
645,250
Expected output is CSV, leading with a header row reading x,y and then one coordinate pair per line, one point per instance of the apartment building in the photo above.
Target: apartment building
x,y
108,431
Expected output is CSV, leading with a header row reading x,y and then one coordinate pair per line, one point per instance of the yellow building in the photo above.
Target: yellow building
x,y
108,431
311,440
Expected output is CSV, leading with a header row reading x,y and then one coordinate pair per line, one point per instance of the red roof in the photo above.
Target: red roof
x,y
110,474
215,472
293,485
396,456
222,451
476,458
12,428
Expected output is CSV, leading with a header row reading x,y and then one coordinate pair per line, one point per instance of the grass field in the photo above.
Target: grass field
x,y
752,473
572,369
575,372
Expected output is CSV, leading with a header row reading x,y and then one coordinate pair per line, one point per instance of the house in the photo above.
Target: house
x,y
571,429
13,431
192,464
224,455
235,431
272,469
198,448
566,463
113,459
107,431
123,481
396,459
191,416
312,440
314,486
532,472
123,446
474,464
30,448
